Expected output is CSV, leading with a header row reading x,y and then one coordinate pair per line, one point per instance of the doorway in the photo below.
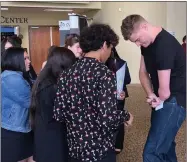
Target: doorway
x,y
40,39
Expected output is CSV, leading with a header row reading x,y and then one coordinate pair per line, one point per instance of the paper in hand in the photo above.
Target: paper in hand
x,y
120,75
160,106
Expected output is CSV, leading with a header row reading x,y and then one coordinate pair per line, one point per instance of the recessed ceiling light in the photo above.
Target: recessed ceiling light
x,y
4,9
59,10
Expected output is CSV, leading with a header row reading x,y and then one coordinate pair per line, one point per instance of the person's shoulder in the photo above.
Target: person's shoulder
x,y
121,61
12,75
15,80
46,84
165,38
102,66
103,70
167,43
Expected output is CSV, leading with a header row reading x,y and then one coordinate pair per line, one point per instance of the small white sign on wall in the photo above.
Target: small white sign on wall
x,y
64,25
74,21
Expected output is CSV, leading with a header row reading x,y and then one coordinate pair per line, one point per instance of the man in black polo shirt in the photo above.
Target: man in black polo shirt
x,y
163,76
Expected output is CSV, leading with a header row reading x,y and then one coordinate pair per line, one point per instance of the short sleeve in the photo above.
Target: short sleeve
x,y
165,56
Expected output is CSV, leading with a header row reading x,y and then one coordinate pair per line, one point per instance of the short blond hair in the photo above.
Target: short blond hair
x,y
129,24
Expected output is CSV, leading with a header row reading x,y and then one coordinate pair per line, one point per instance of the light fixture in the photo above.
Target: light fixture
x,y
4,9
58,10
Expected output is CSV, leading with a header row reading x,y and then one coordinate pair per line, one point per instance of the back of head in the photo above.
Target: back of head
x,y
13,59
59,59
93,37
71,39
130,24
14,40
50,50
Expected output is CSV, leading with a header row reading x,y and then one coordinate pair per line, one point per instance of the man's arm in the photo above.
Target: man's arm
x,y
144,78
165,61
164,84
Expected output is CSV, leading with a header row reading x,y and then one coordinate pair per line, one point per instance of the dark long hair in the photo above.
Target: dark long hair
x,y
59,59
50,50
15,41
13,59
111,61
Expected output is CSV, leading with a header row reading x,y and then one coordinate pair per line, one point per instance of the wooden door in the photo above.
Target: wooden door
x,y
40,39
39,42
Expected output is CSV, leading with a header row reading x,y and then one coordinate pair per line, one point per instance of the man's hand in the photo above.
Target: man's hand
x,y
153,100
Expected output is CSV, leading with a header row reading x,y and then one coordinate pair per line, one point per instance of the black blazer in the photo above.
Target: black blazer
x,y
127,79
114,64
50,142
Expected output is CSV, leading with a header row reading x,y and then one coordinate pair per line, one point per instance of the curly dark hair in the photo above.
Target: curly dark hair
x,y
93,37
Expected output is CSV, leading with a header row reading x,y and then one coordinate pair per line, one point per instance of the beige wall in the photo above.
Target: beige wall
x,y
155,12
176,19
34,19
170,15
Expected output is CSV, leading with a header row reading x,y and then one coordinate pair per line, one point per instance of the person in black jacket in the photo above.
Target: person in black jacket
x,y
49,135
114,63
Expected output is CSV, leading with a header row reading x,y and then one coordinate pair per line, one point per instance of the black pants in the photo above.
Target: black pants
x,y
121,130
120,137
111,157
15,146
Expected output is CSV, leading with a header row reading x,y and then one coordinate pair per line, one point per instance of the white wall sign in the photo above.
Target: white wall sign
x,y
64,25
74,21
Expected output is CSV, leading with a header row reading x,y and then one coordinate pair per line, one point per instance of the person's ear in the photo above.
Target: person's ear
x,y
144,26
104,47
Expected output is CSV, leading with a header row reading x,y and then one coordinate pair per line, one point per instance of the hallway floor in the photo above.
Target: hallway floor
x,y
135,136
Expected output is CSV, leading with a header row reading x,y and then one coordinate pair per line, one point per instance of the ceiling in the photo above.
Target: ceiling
x,y
39,9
